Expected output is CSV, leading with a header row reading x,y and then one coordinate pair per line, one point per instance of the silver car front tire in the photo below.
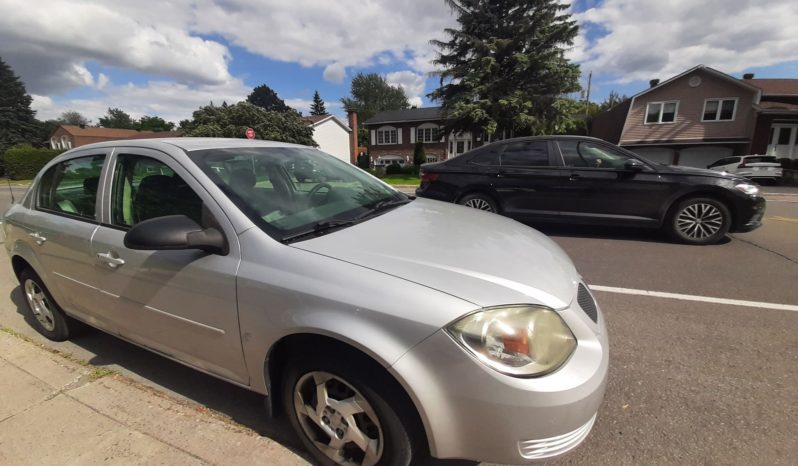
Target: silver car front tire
x,y
342,417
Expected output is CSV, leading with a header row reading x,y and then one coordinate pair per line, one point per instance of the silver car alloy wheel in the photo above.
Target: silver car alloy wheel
x,y
40,305
338,419
699,221
480,204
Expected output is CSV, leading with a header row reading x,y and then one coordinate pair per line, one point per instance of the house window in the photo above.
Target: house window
x,y
427,135
661,112
386,136
719,109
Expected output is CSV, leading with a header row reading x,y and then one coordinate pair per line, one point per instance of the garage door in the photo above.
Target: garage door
x,y
656,154
702,156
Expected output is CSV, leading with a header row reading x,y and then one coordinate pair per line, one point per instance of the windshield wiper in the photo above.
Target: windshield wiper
x,y
320,227
325,226
382,206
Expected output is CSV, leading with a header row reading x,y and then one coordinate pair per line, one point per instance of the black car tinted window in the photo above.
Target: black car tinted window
x,y
591,155
526,154
764,158
70,187
487,156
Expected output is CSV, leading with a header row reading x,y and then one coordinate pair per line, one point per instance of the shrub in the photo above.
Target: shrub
x,y
419,156
411,170
393,169
363,161
23,162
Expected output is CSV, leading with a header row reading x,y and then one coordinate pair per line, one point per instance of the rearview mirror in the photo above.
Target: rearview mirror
x,y
634,165
174,232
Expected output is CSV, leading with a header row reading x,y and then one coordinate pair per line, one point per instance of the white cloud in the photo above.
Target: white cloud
x,y
49,44
335,72
102,81
412,83
170,100
647,39
345,33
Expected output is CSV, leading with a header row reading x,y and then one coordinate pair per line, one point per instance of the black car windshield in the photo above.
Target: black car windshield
x,y
292,192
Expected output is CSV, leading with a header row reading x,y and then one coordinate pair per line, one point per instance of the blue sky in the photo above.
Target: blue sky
x,y
168,58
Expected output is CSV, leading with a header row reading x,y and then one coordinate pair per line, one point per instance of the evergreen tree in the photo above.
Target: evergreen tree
x,y
317,107
419,155
17,121
503,68
117,118
264,97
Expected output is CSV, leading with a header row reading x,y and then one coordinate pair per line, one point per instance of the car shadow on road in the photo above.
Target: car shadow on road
x,y
608,232
238,404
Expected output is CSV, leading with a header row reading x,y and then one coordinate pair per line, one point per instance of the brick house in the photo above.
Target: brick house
x,y
703,115
393,136
70,136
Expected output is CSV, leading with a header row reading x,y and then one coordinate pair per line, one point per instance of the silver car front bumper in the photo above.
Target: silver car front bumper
x,y
473,412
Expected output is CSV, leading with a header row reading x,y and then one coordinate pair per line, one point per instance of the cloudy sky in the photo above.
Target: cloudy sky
x,y
168,57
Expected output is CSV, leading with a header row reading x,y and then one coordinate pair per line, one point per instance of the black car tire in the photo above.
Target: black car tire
x,y
699,220
479,201
398,446
49,320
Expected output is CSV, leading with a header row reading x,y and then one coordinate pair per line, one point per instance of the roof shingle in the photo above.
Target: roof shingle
x,y
410,114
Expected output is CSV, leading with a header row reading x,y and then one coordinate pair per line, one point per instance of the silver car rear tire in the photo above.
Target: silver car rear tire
x,y
45,315
340,412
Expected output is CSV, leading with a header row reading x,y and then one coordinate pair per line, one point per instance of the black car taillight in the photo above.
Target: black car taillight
x,y
427,177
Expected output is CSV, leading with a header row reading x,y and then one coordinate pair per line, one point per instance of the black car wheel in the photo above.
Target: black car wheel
x,y
700,220
343,415
48,318
479,201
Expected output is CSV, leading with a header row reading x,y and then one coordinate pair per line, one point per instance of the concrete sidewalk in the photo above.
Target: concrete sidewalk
x,y
56,410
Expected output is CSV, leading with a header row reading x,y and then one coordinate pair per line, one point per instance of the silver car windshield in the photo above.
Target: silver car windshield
x,y
296,192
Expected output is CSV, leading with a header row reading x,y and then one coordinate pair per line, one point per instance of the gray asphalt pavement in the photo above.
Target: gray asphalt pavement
x,y
690,382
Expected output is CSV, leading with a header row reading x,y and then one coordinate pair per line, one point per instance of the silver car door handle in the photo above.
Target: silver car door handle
x,y
37,237
112,261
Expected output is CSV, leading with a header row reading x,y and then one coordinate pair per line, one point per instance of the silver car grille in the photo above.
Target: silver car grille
x,y
553,446
587,303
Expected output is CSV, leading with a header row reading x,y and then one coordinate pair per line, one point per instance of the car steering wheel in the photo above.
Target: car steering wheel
x,y
315,191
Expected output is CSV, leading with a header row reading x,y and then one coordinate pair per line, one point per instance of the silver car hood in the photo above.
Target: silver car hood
x,y
483,258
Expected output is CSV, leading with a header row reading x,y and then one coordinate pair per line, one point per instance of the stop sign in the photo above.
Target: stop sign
x,y
250,133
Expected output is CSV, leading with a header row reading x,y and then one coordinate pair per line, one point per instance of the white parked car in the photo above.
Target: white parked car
x,y
750,166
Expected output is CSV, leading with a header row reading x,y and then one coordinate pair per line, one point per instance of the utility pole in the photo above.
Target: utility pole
x,y
587,99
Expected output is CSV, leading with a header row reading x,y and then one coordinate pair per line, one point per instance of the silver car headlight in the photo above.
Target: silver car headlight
x,y
747,188
521,341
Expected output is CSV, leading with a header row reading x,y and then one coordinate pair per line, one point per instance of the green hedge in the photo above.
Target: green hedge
x,y
23,162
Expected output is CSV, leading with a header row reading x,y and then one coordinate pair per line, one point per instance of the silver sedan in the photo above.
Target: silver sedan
x,y
383,326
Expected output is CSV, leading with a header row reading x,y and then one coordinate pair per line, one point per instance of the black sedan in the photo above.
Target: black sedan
x,y
574,179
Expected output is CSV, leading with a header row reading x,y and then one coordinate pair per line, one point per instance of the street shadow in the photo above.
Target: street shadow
x,y
240,405
648,235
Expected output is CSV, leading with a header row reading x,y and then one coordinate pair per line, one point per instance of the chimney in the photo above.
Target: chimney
x,y
353,142
748,76
653,82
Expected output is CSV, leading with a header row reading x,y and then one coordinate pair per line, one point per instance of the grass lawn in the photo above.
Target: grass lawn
x,y
396,180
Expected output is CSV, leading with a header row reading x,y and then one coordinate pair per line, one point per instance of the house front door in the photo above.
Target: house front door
x,y
783,141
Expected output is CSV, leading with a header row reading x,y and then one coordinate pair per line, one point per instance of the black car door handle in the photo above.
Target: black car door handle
x,y
574,176
500,175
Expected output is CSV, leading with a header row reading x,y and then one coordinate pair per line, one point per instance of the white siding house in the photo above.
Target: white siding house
x,y
331,134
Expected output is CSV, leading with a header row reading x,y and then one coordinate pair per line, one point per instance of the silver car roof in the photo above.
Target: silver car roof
x,y
189,144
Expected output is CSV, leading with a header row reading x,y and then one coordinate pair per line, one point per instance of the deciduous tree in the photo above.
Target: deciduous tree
x,y
372,94
117,118
71,117
264,97
232,121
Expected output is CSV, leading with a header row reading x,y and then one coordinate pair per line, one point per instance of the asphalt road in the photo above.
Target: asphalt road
x,y
690,382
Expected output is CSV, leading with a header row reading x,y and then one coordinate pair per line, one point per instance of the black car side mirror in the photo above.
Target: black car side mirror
x,y
634,165
175,232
